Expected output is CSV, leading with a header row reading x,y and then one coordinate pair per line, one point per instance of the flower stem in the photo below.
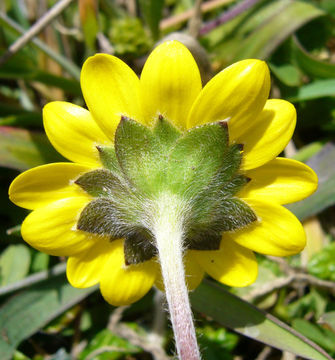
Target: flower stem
x,y
168,232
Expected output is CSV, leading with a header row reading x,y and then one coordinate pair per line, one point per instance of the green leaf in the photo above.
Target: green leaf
x,y
328,319
244,318
216,344
311,65
322,337
321,264
152,11
323,164
22,120
27,312
40,262
14,115
61,354
266,38
314,90
14,263
308,151
314,302
288,74
19,68
69,86
33,279
22,149
88,10
106,339
19,356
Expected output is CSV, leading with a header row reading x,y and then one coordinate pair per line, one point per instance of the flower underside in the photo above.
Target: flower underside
x,y
199,168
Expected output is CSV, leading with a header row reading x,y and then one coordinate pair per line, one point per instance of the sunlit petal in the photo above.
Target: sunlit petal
x,y
232,265
52,228
237,94
170,82
268,134
44,184
73,132
277,232
111,89
281,180
86,269
121,284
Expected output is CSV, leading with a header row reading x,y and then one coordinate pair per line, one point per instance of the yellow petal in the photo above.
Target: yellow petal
x,y
111,89
237,94
281,180
170,82
232,265
193,273
121,284
268,135
85,269
44,184
52,229
73,132
277,232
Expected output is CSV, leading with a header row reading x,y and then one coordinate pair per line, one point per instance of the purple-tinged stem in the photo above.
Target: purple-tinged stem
x,y
168,232
228,15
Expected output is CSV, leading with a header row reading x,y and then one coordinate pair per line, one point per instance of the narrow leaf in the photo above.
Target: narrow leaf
x,y
152,13
88,10
317,334
244,318
328,319
22,149
266,38
27,312
311,65
14,264
323,164
315,90
287,74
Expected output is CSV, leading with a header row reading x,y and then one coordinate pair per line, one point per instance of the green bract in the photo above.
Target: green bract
x,y
198,168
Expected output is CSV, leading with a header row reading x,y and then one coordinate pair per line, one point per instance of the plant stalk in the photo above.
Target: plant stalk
x,y
168,232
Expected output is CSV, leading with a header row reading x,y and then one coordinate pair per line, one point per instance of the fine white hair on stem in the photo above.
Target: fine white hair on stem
x,y
167,228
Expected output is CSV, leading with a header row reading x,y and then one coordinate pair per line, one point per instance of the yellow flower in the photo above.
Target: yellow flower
x,y
169,88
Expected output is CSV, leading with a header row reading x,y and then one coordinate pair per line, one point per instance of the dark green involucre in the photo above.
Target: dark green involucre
x,y
199,167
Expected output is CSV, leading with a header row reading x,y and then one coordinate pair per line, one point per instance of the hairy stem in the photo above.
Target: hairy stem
x,y
169,237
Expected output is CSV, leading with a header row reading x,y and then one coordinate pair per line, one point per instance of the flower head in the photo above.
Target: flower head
x,y
210,154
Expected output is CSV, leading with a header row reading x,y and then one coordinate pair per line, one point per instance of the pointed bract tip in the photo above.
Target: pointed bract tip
x,y
224,124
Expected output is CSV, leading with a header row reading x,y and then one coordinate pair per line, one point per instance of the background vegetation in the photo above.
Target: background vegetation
x,y
41,315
